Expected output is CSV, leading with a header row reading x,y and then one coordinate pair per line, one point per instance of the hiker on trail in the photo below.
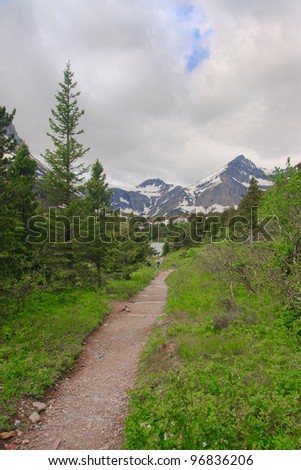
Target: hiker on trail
x,y
157,264
148,263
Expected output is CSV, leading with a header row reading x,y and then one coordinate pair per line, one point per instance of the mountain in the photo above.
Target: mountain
x,y
140,199
223,189
41,169
154,197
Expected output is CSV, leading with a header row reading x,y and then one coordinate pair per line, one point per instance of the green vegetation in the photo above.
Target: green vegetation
x,y
125,288
223,371
41,341
65,176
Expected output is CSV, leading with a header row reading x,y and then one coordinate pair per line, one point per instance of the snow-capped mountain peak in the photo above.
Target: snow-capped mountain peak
x,y
154,182
220,190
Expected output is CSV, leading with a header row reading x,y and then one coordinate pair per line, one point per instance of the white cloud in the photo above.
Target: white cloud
x,y
146,115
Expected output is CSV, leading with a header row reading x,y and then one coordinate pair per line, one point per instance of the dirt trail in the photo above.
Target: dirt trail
x,y
87,409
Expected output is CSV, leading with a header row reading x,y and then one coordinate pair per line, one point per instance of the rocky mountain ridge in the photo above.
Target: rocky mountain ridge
x,y
223,189
154,197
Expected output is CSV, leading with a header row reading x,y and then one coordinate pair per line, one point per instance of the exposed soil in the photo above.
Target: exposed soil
x,y
87,408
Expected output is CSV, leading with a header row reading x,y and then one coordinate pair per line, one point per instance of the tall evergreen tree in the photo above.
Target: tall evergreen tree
x,y
22,182
65,176
64,179
132,247
7,146
253,198
247,219
22,206
99,249
7,141
8,222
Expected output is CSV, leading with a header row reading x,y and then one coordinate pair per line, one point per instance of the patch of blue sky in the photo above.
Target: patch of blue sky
x,y
199,49
185,13
197,34
192,33
196,58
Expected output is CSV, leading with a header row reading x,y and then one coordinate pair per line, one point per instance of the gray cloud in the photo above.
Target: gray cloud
x,y
146,115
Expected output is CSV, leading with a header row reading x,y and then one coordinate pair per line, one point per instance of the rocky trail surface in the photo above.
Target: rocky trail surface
x,y
86,409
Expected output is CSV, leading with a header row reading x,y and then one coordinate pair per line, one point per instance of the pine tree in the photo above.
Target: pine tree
x,y
21,203
252,199
22,183
7,141
97,188
97,203
63,180
8,223
7,147
133,246
247,219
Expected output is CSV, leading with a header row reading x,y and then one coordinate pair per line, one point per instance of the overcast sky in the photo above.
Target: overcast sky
x,y
171,89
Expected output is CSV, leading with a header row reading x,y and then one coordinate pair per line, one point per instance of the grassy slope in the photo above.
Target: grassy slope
x,y
202,386
40,343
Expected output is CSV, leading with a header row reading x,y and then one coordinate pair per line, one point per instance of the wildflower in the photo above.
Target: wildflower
x,y
204,444
149,426
173,423
142,425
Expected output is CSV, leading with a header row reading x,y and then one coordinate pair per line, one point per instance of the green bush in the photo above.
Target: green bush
x,y
122,289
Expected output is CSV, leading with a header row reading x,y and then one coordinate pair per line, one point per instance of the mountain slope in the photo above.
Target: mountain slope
x,y
41,169
217,192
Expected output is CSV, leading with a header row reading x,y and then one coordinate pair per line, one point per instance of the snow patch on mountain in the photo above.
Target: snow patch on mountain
x,y
124,200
